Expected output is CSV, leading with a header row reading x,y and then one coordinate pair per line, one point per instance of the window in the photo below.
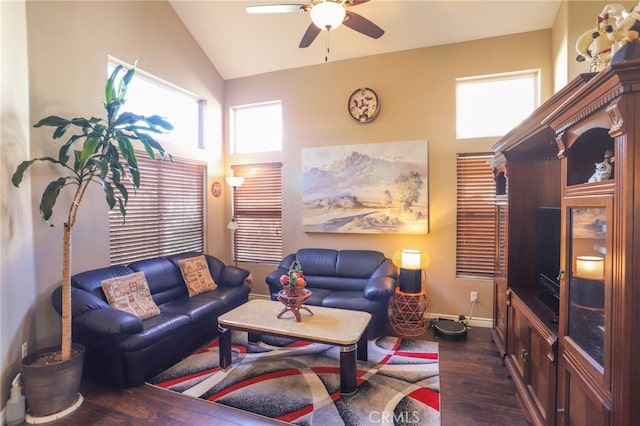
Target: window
x,y
476,224
494,104
166,214
148,95
256,128
258,211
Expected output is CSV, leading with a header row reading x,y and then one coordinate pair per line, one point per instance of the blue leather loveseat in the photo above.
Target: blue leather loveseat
x,y
361,280
123,350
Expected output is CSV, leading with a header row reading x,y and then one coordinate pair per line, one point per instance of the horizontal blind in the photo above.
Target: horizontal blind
x,y
258,211
164,216
476,224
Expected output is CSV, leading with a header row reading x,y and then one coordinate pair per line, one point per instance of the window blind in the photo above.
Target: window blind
x,y
258,210
165,215
476,220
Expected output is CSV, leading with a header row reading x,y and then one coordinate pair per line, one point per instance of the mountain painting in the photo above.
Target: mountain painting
x,y
379,188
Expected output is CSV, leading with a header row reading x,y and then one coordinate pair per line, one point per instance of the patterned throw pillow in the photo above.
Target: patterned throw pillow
x,y
195,272
130,293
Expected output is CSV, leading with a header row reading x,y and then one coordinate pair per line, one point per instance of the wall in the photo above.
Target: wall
x,y
68,45
17,281
417,95
574,18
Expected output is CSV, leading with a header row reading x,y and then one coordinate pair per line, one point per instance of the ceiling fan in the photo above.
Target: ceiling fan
x,y
325,15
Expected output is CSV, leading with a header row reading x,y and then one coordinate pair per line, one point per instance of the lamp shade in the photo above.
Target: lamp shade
x,y
235,181
410,259
589,267
327,15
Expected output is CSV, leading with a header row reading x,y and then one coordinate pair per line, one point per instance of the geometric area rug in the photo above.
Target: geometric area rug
x,y
299,382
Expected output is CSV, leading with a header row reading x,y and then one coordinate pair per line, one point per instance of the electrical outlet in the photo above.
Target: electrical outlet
x,y
24,349
474,296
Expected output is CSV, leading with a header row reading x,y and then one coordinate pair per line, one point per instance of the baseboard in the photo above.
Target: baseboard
x,y
259,296
473,322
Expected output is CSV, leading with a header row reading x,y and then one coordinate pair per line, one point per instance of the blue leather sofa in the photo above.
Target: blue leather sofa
x,y
361,280
121,349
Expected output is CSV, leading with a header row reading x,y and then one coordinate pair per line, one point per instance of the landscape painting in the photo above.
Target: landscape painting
x,y
379,188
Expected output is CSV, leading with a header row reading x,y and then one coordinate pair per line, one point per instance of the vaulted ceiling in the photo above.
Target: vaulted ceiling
x,y
240,44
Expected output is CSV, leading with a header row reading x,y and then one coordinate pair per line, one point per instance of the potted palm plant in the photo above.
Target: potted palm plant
x,y
96,150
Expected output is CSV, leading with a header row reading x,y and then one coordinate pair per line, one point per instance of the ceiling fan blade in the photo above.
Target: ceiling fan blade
x,y
310,35
349,3
277,8
362,25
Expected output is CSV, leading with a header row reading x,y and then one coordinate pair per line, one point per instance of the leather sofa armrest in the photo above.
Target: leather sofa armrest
x,y
81,301
273,280
109,322
382,283
232,276
94,315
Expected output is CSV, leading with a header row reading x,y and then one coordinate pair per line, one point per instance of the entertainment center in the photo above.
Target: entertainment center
x,y
566,296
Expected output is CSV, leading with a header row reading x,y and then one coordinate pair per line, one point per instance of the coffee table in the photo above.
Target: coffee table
x,y
339,327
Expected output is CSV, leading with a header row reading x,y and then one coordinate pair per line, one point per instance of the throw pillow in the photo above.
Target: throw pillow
x,y
130,293
195,272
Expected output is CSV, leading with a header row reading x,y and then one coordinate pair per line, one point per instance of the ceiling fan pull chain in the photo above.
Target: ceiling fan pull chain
x,y
326,58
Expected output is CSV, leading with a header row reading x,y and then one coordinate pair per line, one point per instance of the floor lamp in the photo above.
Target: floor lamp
x,y
234,182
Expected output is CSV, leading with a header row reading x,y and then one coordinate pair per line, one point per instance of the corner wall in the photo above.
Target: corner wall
x,y
17,281
58,65
417,94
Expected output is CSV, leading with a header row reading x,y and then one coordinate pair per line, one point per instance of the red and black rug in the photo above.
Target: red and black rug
x,y
299,382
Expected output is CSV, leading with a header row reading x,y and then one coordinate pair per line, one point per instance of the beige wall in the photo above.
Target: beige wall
x,y
68,45
417,94
17,283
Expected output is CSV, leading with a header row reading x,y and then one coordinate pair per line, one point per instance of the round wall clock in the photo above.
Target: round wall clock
x,y
364,105
216,189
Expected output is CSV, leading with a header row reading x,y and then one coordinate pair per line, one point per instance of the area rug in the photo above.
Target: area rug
x,y
299,382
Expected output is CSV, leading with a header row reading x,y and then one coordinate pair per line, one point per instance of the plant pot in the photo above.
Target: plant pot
x,y
51,387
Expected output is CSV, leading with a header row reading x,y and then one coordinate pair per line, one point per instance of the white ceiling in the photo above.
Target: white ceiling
x,y
241,44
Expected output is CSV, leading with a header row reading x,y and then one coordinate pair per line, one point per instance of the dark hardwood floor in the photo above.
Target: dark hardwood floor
x,y
474,388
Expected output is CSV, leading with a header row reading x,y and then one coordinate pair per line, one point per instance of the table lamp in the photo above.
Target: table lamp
x,y
411,264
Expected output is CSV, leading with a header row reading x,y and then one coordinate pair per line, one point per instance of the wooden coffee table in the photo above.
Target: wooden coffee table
x,y
339,327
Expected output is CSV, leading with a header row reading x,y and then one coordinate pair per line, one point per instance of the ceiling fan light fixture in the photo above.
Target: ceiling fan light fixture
x,y
328,15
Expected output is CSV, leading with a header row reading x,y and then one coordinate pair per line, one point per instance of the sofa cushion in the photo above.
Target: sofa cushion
x,y
154,330
197,308
91,280
196,275
352,300
336,283
358,263
130,293
317,261
165,281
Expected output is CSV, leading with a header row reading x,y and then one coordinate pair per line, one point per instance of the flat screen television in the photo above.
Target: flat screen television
x,y
549,256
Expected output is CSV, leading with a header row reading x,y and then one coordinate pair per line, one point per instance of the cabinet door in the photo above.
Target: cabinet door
x,y
518,341
542,375
531,360
579,403
499,332
585,332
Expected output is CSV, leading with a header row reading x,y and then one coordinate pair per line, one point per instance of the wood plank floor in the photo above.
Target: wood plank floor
x,y
475,390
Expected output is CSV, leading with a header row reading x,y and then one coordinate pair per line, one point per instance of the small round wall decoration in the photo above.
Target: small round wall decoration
x,y
216,189
364,105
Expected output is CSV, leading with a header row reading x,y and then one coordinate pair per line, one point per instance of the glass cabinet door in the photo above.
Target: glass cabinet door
x,y
588,229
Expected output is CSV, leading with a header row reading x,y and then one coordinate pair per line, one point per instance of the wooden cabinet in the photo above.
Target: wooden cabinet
x,y
532,354
584,369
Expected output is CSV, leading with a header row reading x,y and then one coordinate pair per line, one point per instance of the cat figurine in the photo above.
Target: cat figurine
x,y
603,171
